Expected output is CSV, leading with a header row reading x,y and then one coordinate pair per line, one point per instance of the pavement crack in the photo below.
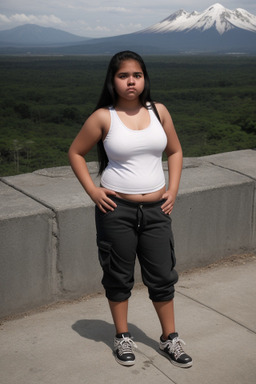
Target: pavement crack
x,y
232,170
57,273
216,311
32,197
150,361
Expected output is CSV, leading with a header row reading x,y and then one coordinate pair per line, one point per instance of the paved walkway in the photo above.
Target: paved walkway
x,y
72,343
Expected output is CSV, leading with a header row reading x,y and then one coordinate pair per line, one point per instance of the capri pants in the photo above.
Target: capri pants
x,y
141,229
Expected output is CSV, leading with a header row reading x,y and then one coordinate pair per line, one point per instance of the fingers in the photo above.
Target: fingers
x,y
104,202
167,207
107,205
110,203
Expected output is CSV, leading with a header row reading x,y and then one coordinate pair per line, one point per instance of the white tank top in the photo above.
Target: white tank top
x,y
135,156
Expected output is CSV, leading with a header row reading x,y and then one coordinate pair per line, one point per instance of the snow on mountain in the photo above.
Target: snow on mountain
x,y
216,16
217,29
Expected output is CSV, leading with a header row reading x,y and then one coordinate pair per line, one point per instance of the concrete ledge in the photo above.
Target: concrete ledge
x,y
27,269
215,212
48,239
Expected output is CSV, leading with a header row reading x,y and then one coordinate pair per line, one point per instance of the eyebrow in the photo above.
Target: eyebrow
x,y
126,73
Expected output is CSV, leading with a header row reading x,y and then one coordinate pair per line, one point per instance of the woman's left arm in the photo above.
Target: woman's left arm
x,y
174,154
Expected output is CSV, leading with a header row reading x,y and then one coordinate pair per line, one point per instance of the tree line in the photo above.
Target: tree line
x,y
45,100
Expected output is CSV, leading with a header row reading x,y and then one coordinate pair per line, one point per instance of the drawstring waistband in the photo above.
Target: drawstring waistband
x,y
132,203
139,216
138,206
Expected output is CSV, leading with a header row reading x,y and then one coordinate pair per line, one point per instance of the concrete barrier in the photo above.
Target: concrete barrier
x,y
48,240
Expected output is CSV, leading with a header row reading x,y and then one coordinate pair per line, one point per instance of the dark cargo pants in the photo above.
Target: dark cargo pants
x,y
132,229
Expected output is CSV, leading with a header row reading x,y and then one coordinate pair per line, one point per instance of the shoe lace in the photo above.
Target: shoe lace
x,y
126,345
175,347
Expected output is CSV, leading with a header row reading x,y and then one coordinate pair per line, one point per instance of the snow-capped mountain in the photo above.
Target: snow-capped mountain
x,y
215,30
216,16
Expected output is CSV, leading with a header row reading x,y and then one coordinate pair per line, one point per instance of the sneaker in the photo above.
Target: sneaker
x,y
123,349
172,349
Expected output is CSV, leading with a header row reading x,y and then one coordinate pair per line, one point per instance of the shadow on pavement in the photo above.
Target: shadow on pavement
x,y
102,331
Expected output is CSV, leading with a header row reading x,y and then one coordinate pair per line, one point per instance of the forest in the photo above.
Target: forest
x,y
44,101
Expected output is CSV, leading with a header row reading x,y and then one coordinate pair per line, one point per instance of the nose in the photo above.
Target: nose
x,y
130,80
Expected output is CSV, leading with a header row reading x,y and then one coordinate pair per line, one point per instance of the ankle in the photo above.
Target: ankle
x,y
170,336
123,334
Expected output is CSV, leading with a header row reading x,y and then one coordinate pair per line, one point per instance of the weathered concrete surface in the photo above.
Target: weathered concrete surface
x,y
27,262
77,267
244,164
72,343
214,216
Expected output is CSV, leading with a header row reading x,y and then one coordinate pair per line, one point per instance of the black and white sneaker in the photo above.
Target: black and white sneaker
x,y
172,349
123,349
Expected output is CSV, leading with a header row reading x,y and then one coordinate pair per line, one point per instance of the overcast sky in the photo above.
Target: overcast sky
x,y
98,18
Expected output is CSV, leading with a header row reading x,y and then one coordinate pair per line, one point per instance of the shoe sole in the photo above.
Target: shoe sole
x,y
187,365
125,363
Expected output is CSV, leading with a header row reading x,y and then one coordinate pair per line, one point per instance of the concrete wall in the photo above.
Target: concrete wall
x,y
47,234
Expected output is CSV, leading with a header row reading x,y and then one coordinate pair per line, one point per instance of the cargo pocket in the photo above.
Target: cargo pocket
x,y
104,255
172,251
117,272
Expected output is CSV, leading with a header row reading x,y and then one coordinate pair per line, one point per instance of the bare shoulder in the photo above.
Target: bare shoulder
x,y
161,108
98,123
101,116
163,113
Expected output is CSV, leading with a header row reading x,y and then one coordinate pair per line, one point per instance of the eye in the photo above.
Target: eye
x,y
138,75
122,76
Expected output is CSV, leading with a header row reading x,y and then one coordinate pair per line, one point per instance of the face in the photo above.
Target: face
x,y
129,80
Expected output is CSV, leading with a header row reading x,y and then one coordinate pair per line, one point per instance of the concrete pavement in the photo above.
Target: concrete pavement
x,y
71,343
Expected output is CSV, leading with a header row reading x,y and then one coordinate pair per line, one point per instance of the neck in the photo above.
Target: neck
x,y
125,105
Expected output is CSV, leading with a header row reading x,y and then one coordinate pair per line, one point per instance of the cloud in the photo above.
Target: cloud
x,y
101,18
97,28
21,18
4,19
110,9
130,27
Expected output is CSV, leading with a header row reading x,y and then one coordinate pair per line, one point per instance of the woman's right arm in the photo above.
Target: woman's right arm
x,y
92,131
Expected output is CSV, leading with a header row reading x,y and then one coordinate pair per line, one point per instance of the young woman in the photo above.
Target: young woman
x,y
133,203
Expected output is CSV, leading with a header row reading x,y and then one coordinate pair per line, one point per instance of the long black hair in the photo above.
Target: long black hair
x,y
109,96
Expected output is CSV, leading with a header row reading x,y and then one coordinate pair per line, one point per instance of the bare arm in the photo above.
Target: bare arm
x,y
91,132
174,158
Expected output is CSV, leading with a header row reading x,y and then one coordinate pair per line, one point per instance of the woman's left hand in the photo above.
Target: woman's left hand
x,y
167,207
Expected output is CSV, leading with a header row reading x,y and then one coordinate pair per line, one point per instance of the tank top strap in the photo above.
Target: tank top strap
x,y
113,117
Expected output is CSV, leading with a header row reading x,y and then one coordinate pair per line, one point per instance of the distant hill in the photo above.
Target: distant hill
x,y
34,35
215,30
